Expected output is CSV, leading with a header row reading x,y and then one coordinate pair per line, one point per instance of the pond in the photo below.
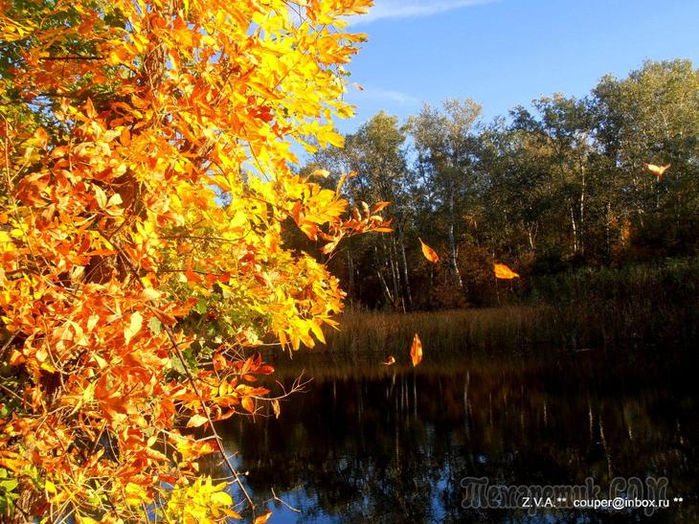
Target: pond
x,y
477,440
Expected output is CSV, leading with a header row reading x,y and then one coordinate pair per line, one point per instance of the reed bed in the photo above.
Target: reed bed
x,y
636,312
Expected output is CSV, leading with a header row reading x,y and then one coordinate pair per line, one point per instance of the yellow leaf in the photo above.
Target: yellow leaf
x,y
101,197
150,294
317,331
390,360
504,272
102,363
222,498
133,327
197,421
115,200
657,170
416,350
430,254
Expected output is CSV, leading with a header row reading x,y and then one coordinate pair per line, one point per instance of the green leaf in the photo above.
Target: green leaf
x,y
155,326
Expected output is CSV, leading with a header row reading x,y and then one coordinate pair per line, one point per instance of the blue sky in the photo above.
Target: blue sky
x,y
508,52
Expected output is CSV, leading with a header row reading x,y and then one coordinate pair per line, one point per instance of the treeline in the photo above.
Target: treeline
x,y
561,185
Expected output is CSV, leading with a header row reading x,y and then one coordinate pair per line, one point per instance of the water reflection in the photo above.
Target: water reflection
x,y
395,446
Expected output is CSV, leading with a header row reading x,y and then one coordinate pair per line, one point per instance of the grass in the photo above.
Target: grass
x,y
650,306
366,339
636,312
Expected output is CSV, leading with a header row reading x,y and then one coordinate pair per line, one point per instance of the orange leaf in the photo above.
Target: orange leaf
x,y
248,404
416,350
90,109
376,208
125,137
30,188
390,361
16,358
263,518
658,171
41,137
504,272
430,254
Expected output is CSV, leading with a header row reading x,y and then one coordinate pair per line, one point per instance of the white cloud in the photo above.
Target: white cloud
x,y
387,95
411,8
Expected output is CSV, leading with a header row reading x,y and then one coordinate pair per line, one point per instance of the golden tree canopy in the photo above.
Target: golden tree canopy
x,y
147,177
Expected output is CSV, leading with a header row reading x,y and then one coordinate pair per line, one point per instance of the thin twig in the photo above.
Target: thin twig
x,y
8,390
287,505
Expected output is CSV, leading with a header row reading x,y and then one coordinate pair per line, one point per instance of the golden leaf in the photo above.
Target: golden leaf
x,y
504,272
133,327
196,421
390,360
430,254
263,518
416,350
657,170
248,404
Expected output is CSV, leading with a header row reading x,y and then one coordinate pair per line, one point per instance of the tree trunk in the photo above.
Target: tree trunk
x,y
581,245
395,274
406,280
350,271
574,227
453,250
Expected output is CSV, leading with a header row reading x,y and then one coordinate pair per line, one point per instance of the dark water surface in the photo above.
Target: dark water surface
x,y
377,444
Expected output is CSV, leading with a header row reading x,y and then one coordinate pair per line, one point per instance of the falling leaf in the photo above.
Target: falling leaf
x,y
658,171
358,87
416,350
390,361
504,272
430,254
275,408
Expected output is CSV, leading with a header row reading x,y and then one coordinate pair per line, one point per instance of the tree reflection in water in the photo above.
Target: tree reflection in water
x,y
394,446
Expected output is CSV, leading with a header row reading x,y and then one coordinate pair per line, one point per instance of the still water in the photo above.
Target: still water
x,y
372,443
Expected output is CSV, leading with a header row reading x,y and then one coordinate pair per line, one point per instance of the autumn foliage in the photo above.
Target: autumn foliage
x,y
146,182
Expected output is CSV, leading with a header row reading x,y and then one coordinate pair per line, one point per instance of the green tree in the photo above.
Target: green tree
x,y
446,146
653,117
376,155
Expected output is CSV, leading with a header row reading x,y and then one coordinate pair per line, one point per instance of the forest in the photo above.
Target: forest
x,y
563,184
